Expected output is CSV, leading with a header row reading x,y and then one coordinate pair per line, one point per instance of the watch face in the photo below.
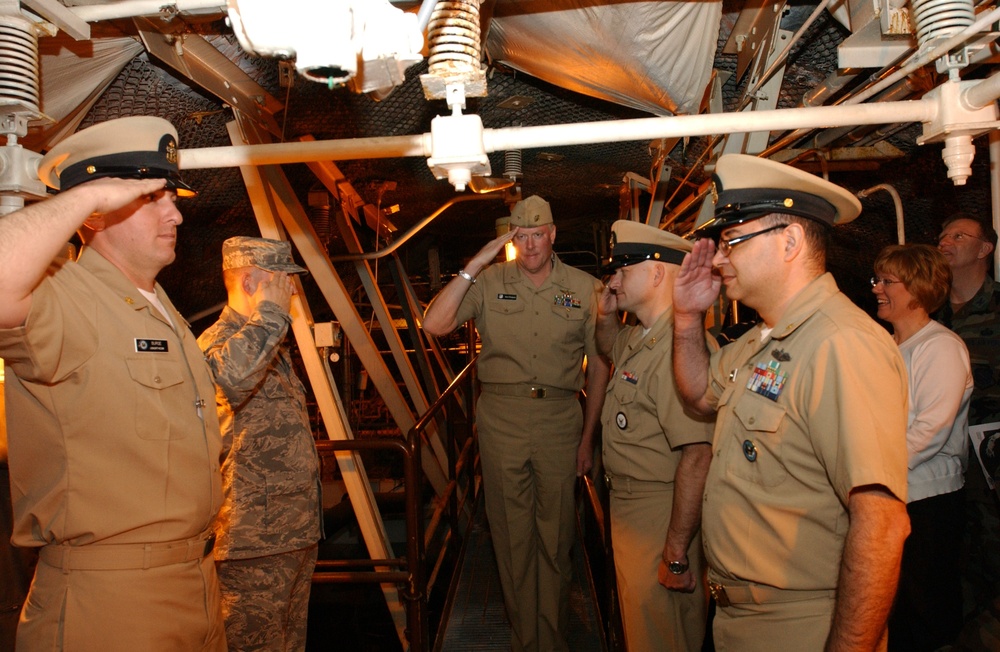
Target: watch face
x,y
677,567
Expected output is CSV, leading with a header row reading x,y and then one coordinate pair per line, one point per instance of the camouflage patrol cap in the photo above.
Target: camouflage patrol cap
x,y
635,242
531,212
263,253
138,147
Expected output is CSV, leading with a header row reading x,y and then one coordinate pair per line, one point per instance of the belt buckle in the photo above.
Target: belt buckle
x,y
209,545
537,392
719,593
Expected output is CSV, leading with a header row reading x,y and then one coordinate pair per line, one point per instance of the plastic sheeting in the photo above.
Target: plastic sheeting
x,y
74,74
652,56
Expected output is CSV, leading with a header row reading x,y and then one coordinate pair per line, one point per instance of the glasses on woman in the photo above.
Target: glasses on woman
x,y
886,282
725,246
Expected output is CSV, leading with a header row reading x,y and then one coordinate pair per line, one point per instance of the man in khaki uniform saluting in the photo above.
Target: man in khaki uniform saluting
x,y
114,445
805,503
655,453
536,319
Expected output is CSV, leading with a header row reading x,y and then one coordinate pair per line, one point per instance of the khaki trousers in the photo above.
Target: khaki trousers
x,y
160,609
528,453
775,622
653,617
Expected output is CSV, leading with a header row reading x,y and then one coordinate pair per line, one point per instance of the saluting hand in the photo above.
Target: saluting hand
x,y
697,285
108,194
489,252
607,303
276,289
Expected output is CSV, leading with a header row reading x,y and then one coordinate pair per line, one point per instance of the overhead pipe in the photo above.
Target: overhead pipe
x,y
867,192
922,59
916,62
584,133
134,8
815,153
412,231
902,90
829,87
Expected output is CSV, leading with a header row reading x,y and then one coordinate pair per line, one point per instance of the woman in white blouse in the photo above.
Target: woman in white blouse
x,y
910,283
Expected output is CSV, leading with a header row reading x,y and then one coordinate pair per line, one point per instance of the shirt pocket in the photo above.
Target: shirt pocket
x,y
158,395
505,306
758,431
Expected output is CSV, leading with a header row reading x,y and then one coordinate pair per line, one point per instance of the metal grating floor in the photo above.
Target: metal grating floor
x,y
478,620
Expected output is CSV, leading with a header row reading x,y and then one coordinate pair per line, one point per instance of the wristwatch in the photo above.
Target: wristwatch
x,y
467,276
678,567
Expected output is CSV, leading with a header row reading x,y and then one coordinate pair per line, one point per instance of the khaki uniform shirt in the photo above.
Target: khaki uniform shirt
x,y
108,439
271,471
815,410
644,422
533,335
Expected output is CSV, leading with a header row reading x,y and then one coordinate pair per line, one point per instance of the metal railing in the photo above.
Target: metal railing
x,y
409,571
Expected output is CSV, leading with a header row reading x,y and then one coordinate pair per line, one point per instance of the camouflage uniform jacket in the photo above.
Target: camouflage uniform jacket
x,y
978,324
271,470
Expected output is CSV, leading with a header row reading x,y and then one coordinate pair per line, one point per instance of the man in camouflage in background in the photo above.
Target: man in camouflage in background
x,y
270,523
973,312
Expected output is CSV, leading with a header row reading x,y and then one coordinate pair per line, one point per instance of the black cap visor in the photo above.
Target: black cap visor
x,y
131,165
624,254
739,206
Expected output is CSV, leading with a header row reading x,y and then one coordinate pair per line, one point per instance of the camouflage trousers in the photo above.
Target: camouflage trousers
x,y
265,600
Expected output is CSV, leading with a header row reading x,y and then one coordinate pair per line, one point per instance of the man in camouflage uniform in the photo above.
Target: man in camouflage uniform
x,y
973,311
270,523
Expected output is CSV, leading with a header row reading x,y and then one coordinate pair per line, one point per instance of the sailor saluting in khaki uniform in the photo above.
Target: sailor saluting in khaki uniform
x,y
536,319
805,503
114,442
656,454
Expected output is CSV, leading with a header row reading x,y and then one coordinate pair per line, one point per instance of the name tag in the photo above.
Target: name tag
x,y
150,346
507,297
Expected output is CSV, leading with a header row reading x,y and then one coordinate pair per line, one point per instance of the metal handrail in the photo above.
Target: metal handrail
x,y
409,570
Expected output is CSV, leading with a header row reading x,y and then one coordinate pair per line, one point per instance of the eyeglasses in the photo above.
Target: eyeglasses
x,y
958,237
725,246
886,282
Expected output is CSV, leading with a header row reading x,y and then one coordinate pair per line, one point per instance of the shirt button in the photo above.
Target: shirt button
x,y
156,379
752,420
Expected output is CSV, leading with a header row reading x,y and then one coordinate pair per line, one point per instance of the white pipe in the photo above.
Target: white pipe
x,y
302,152
900,232
132,8
982,94
584,133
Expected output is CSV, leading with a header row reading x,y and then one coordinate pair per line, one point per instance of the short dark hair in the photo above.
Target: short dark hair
x,y
923,269
817,233
986,230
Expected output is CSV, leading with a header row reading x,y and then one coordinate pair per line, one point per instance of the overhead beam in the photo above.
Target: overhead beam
x,y
196,59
